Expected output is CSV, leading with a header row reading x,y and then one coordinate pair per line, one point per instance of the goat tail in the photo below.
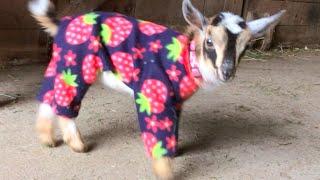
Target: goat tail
x,y
43,11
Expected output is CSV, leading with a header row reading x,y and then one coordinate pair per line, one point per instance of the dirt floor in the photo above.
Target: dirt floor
x,y
263,125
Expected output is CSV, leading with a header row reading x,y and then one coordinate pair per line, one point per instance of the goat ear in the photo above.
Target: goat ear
x,y
192,15
257,27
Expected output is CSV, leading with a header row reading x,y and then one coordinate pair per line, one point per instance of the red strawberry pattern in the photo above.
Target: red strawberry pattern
x,y
188,87
80,29
149,141
123,63
52,67
152,97
153,146
115,30
150,59
56,53
65,88
177,49
149,28
91,66
48,97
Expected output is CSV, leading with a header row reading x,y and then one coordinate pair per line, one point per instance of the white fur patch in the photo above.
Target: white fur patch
x,y
39,7
111,81
231,22
46,111
209,75
72,128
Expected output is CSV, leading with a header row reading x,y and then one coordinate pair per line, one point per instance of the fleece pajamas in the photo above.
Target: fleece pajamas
x,y
150,59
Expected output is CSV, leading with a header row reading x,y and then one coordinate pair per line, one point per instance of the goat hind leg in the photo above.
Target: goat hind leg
x,y
45,125
72,135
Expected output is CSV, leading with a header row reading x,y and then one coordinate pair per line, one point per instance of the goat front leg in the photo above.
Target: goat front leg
x,y
163,168
72,135
159,134
45,125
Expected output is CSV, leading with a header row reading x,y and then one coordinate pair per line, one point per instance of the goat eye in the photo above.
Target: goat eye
x,y
209,42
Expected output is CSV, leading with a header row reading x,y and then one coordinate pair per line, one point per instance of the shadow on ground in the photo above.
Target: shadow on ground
x,y
202,133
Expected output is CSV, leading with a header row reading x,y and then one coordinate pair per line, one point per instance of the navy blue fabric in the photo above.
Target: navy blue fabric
x,y
152,66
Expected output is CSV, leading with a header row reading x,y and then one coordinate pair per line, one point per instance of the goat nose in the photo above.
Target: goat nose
x,y
227,71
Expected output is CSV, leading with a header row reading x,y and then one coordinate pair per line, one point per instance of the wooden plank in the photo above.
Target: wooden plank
x,y
214,7
19,36
14,14
234,6
60,4
163,11
121,6
305,1
297,36
298,13
16,52
77,6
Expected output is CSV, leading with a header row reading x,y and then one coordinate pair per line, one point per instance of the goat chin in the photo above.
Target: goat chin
x,y
208,85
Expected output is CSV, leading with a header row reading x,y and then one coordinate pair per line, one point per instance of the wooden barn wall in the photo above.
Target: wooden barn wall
x,y
20,37
169,12
301,24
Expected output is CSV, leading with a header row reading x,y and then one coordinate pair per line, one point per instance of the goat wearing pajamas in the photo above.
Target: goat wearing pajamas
x,y
150,59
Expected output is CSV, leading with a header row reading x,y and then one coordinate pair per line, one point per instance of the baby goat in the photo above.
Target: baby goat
x,y
159,67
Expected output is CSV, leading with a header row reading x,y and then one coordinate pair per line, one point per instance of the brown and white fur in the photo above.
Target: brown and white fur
x,y
220,41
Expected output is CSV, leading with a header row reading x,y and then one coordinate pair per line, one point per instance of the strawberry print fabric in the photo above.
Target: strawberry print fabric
x,y
151,59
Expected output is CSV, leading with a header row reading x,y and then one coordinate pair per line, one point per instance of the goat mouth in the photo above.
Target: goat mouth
x,y
224,80
229,80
